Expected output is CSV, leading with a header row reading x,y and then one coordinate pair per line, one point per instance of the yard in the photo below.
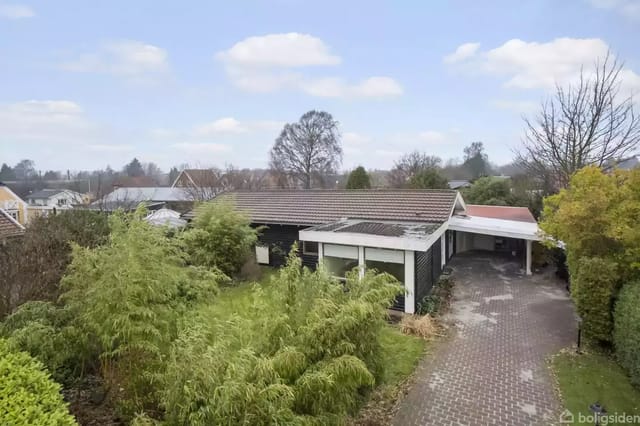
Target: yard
x,y
401,352
591,377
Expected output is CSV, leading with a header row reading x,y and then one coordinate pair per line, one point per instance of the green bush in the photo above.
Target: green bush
x,y
438,298
48,334
627,330
308,353
128,296
594,283
220,237
27,395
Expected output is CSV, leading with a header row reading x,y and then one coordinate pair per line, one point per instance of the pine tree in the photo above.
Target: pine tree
x,y
359,179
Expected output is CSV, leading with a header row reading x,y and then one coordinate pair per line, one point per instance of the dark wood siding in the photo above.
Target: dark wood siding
x,y
423,280
280,238
428,270
436,250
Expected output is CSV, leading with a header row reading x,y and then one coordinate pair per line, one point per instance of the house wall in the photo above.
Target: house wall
x,y
428,268
10,202
279,239
466,241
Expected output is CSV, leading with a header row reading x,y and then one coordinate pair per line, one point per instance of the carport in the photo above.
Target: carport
x,y
494,228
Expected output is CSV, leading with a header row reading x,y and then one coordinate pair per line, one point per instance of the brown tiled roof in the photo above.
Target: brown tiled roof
x,y
519,214
313,207
9,227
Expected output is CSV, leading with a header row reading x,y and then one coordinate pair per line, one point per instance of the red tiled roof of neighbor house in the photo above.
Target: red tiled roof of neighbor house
x,y
519,214
8,226
314,207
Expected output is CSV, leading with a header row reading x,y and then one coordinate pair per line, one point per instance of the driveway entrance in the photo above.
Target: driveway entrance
x,y
493,369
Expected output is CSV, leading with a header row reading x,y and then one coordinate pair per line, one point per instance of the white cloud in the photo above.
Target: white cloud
x,y
125,58
627,8
516,106
432,137
222,125
279,50
463,52
372,87
16,11
201,148
230,126
46,121
274,62
354,138
107,148
533,65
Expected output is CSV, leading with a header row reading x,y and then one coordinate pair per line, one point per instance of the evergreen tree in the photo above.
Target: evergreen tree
x,y
359,179
7,173
134,168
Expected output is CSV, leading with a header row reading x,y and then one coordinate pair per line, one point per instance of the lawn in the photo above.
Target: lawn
x,y
590,377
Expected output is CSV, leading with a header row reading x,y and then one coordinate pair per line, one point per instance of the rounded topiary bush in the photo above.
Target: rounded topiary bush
x,y
627,330
28,396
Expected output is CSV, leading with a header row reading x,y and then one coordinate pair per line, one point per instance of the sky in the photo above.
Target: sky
x,y
85,84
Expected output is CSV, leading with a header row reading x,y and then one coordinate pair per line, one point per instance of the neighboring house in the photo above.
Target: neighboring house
x,y
457,184
410,234
134,182
199,184
47,201
9,227
13,205
154,198
625,164
195,177
165,217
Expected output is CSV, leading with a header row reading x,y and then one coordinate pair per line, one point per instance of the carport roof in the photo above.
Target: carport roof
x,y
497,227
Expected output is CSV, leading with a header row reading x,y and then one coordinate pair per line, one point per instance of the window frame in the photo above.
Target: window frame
x,y
306,251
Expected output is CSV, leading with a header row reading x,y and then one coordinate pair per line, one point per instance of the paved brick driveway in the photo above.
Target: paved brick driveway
x,y
493,370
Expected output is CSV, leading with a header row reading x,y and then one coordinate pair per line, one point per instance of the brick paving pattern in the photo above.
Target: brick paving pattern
x,y
493,371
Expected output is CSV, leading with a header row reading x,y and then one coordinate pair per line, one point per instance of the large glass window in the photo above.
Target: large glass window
x,y
339,266
394,269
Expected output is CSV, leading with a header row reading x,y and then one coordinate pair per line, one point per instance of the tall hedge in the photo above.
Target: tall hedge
x,y
593,287
28,396
627,330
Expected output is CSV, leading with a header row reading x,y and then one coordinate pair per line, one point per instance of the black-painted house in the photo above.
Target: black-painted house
x,y
410,234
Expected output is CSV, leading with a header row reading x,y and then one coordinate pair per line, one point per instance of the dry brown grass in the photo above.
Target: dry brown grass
x,y
421,326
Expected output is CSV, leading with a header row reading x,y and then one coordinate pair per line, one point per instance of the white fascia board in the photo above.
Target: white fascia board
x,y
365,240
368,240
497,227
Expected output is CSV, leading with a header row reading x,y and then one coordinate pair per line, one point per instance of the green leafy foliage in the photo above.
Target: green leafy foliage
x,y
128,295
307,354
48,333
221,237
495,191
27,394
358,179
429,179
31,267
627,330
597,217
438,299
593,287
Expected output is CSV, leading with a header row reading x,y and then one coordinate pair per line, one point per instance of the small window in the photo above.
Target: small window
x,y
14,215
310,247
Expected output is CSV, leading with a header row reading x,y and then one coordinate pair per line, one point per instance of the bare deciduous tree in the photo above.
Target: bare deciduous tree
x,y
588,123
249,179
409,165
307,149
